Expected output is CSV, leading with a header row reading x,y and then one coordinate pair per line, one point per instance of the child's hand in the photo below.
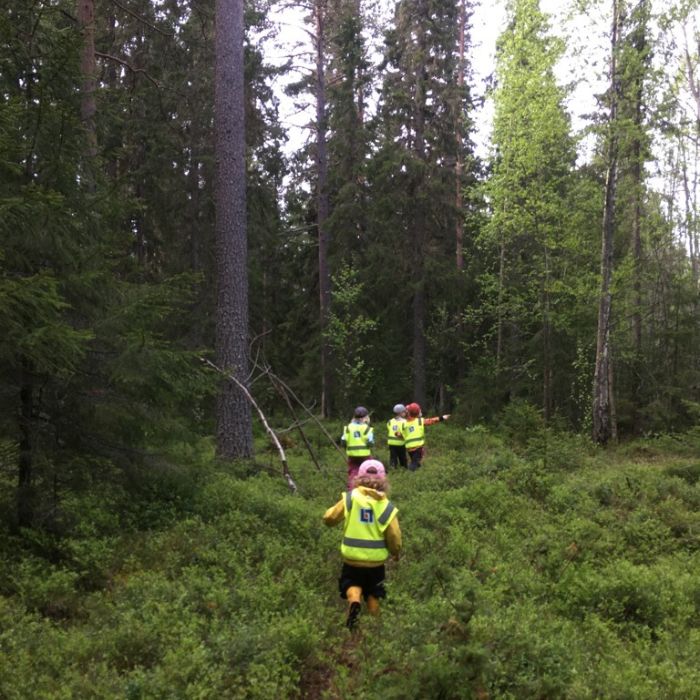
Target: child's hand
x,y
446,416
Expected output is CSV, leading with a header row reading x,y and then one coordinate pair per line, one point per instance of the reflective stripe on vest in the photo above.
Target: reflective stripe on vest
x,y
384,517
365,544
366,519
393,426
414,433
356,440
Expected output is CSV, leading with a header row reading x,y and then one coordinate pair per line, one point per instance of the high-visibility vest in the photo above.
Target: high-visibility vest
x,y
413,432
366,519
393,426
357,440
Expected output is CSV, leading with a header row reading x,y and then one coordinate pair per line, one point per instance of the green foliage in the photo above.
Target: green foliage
x,y
535,566
350,332
519,579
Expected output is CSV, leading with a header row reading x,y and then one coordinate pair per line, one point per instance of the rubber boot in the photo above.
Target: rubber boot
x,y
372,605
354,594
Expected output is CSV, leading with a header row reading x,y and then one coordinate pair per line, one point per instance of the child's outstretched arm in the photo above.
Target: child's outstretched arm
x,y
436,419
334,514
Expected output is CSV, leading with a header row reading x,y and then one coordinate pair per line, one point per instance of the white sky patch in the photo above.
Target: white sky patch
x,y
583,65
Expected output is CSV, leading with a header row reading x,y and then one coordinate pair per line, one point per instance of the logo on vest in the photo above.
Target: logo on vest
x,y
366,515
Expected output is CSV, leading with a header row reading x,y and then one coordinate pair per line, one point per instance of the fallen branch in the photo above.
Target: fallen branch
x,y
271,432
285,396
311,415
293,426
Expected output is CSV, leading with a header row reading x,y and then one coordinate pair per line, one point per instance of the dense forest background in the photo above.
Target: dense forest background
x,y
386,261
182,278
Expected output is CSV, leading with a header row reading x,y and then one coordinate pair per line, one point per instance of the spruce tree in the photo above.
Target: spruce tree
x,y
414,165
528,190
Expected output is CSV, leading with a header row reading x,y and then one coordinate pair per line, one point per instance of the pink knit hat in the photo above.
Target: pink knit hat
x,y
372,467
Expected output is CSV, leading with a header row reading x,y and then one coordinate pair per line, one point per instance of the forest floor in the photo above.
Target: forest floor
x,y
535,568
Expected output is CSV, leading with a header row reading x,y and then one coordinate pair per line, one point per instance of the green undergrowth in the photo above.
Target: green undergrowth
x,y
537,567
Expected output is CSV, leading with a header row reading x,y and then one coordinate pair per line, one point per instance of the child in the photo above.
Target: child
x,y
370,534
395,439
358,439
413,431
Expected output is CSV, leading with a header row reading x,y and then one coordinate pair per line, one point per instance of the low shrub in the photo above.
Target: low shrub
x,y
521,577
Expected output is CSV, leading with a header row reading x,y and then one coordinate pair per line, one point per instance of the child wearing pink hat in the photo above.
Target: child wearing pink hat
x,y
371,533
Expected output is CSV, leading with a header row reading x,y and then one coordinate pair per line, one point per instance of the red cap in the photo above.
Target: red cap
x,y
413,409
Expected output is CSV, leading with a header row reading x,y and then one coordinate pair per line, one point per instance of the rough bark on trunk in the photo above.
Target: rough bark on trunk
x,y
234,437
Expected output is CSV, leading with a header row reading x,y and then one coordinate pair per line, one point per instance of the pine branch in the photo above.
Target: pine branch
x,y
126,64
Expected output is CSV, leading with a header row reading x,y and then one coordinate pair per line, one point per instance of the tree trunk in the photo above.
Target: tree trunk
x,y
691,196
88,69
234,435
501,293
25,462
194,199
637,256
639,44
418,266
112,140
25,495
459,165
139,225
603,415
322,209
547,371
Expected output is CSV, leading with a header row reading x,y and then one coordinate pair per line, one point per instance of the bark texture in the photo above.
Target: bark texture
x,y
234,438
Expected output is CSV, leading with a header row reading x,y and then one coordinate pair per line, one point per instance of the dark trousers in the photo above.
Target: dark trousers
x,y
369,578
415,456
397,455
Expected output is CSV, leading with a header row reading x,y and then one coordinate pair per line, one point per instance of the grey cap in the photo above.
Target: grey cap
x,y
399,408
360,412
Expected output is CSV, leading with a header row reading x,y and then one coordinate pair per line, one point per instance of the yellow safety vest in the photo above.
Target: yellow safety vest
x,y
413,432
393,426
366,519
357,440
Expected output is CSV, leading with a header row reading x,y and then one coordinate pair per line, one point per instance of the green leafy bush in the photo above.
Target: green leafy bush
x,y
521,578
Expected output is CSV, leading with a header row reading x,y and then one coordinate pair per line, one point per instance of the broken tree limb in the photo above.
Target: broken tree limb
x,y
280,390
311,415
270,431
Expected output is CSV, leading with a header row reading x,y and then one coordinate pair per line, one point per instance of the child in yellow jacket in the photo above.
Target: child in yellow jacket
x,y
371,533
413,432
